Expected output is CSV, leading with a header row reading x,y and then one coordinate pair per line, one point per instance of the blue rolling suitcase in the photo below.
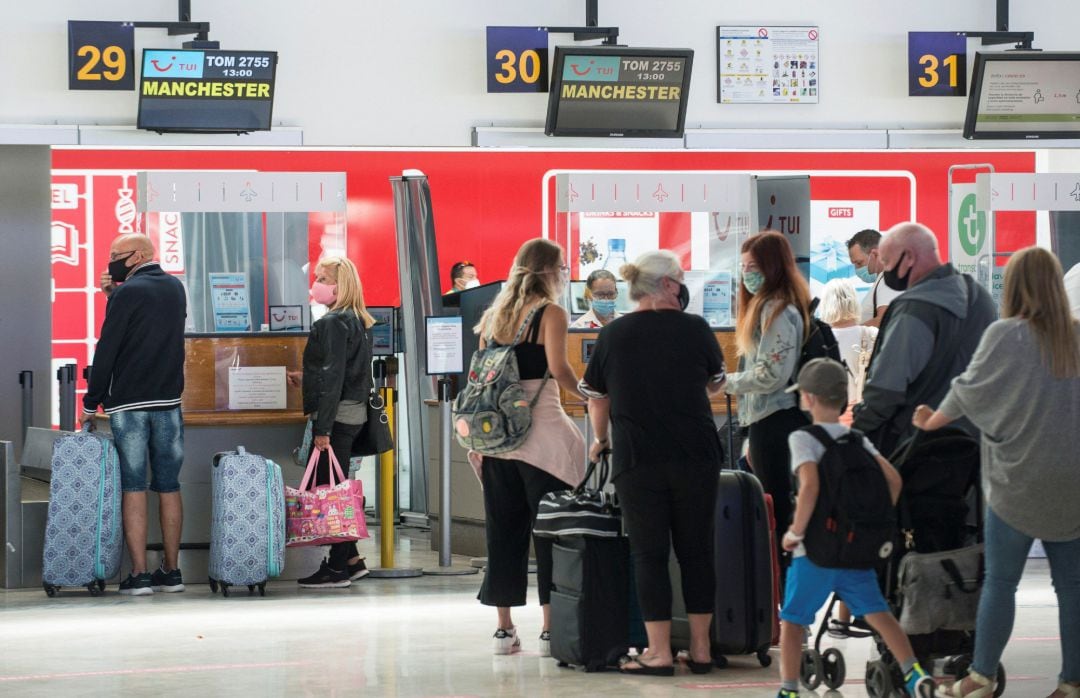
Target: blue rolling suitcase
x,y
247,531
84,535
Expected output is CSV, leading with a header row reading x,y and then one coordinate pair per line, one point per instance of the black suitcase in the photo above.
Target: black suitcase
x,y
745,604
590,602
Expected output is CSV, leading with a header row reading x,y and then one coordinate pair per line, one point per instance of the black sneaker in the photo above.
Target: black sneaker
x,y
169,582
326,578
358,571
137,585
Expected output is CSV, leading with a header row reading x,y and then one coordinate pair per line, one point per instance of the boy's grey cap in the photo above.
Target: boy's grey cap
x,y
825,378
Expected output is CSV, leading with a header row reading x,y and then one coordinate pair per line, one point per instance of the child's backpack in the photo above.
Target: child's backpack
x,y
854,521
492,414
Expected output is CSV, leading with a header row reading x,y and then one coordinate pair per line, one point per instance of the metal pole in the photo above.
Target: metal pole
x,y
386,487
65,375
26,380
445,518
1003,15
444,472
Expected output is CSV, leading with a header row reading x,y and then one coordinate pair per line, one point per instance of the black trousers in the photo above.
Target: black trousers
x,y
342,437
770,459
664,506
512,492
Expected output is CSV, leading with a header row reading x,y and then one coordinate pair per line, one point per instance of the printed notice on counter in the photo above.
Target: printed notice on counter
x,y
444,350
229,296
716,300
256,387
767,65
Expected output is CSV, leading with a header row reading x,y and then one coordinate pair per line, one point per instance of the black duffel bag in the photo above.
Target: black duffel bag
x,y
582,511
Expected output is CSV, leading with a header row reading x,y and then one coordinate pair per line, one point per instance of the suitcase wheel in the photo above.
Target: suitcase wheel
x,y
262,589
50,590
225,590
92,587
251,589
833,668
764,658
719,661
213,585
811,672
1000,680
101,585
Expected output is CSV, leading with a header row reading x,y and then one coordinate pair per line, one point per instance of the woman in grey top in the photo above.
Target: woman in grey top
x,y
1022,390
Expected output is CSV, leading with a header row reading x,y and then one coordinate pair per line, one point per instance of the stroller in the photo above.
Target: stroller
x,y
940,510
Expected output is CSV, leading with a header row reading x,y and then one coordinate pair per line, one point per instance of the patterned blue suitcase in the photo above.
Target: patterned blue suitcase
x,y
84,535
247,531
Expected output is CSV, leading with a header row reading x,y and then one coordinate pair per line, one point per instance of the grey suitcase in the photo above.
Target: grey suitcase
x,y
247,529
84,536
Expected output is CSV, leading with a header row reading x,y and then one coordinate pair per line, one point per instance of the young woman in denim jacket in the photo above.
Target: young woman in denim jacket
x,y
774,302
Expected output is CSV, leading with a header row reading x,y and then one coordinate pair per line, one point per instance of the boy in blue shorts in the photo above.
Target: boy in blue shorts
x,y
823,386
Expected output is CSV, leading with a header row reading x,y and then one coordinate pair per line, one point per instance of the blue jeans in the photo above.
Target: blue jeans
x,y
1006,554
149,438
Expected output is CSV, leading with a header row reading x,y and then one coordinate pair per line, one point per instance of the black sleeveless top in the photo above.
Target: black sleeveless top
x,y
531,357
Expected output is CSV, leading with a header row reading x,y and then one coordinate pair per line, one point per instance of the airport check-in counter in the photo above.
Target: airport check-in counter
x,y
467,499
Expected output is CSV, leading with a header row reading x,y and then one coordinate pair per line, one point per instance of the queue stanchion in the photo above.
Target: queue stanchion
x,y
65,376
386,472
26,382
445,567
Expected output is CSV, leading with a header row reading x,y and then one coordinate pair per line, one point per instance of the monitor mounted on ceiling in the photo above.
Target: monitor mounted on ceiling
x,y
1024,95
618,91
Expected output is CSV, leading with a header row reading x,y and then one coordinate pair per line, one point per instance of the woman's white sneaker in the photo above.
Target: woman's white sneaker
x,y
507,641
545,643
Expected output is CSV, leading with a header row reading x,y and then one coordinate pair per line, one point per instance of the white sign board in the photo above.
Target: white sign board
x,y
445,354
602,192
767,65
256,387
257,192
1028,192
971,233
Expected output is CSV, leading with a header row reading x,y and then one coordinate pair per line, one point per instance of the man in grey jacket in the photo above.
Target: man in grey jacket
x,y
927,338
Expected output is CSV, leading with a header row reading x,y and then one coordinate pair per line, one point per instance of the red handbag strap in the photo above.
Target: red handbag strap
x,y
313,460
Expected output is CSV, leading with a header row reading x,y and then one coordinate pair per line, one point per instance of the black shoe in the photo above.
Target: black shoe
x,y
357,571
169,582
137,585
326,578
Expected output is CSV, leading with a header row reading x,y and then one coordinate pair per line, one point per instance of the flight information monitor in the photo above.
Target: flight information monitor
x,y
206,91
1024,95
618,91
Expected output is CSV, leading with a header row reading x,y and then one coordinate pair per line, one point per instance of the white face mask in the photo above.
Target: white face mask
x,y
472,283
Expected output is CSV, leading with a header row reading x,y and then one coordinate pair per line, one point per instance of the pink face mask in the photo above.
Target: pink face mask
x,y
324,294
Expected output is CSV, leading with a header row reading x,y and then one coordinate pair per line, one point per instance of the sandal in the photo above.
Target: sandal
x,y
706,667
985,690
1068,690
644,669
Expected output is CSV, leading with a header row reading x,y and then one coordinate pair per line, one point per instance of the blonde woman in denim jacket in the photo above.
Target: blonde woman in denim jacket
x,y
774,302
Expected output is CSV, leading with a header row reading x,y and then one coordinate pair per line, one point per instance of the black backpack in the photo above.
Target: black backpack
x,y
820,343
854,521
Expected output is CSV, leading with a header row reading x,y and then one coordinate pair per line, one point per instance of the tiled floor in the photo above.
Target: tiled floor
x,y
413,637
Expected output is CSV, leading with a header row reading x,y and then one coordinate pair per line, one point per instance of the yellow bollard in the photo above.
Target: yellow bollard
x,y
386,495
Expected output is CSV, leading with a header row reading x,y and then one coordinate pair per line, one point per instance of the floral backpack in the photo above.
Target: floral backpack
x,y
492,413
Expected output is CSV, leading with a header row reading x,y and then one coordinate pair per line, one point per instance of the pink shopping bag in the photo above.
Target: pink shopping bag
x,y
328,514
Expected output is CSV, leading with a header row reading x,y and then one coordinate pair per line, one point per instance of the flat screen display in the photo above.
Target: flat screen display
x,y
1024,95
206,91
616,91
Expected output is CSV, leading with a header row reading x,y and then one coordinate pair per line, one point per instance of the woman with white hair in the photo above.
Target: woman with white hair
x,y
652,373
840,308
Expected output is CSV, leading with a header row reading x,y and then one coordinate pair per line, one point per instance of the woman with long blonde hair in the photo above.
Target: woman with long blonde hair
x,y
553,455
774,317
336,383
1022,391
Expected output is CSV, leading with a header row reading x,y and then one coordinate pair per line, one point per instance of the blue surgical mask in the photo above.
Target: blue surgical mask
x,y
865,275
753,280
603,307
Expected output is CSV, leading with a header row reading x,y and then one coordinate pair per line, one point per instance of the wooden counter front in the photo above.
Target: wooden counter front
x,y
206,377
576,340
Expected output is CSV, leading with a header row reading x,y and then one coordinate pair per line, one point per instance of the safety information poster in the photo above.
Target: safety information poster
x,y
767,65
229,297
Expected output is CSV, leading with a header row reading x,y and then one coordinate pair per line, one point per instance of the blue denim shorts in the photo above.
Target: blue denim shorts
x,y
808,587
153,439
